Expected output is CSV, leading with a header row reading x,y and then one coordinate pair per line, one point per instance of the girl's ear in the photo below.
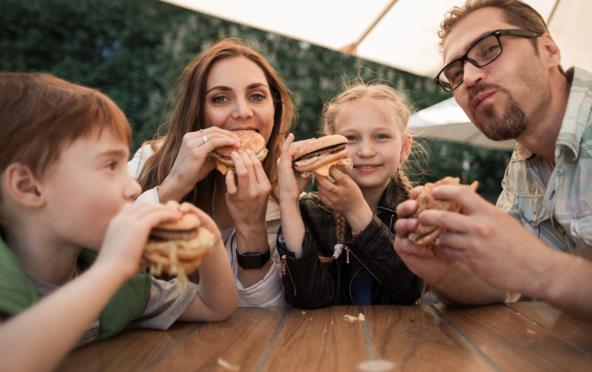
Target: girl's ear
x,y
406,144
21,185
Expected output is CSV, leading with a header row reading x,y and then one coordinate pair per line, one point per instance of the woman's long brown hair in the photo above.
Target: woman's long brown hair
x,y
189,115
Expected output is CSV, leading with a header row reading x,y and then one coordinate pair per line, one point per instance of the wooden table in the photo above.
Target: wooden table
x,y
520,337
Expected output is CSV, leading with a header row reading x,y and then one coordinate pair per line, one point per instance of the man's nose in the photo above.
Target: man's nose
x,y
472,74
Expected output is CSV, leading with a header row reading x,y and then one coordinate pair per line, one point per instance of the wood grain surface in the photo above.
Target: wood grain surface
x,y
513,342
524,336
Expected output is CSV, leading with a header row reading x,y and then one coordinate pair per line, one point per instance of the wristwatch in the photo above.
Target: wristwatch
x,y
252,260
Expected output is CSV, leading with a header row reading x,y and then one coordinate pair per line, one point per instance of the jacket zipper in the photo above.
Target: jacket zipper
x,y
284,268
347,250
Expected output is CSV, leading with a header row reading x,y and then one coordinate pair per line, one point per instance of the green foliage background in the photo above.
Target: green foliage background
x,y
134,50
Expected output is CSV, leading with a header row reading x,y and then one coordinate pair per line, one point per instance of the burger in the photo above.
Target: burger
x,y
427,235
249,139
318,155
177,248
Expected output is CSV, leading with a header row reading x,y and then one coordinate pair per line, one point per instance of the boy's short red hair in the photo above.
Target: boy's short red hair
x,y
41,114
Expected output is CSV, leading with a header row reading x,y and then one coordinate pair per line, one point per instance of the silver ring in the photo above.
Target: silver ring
x,y
205,138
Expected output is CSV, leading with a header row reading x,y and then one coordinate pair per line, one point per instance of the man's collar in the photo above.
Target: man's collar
x,y
521,153
577,112
576,115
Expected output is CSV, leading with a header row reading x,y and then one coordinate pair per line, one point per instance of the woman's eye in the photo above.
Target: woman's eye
x,y
219,99
383,136
352,139
256,97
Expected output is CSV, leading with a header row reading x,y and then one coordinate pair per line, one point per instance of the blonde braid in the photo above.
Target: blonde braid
x,y
403,180
339,228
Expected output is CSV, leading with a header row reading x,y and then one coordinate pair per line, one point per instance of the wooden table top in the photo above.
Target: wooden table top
x,y
523,336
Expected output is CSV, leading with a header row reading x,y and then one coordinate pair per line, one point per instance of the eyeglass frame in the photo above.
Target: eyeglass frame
x,y
465,57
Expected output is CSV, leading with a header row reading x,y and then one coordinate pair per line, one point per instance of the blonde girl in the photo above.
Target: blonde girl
x,y
336,244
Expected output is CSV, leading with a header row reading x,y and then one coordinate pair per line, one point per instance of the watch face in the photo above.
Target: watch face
x,y
252,260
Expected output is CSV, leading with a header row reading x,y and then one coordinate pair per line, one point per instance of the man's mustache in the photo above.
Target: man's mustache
x,y
478,88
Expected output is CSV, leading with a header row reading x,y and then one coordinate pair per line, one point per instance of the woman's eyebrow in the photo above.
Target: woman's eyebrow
x,y
257,85
218,87
225,88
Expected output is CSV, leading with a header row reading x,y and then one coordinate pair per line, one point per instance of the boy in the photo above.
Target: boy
x,y
65,186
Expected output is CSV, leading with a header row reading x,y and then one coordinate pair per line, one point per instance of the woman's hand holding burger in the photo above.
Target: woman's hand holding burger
x,y
247,185
247,193
193,162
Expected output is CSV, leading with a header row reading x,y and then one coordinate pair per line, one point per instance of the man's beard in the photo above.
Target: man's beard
x,y
510,125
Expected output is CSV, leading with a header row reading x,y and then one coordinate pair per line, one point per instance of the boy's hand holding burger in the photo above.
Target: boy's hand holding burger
x,y
172,237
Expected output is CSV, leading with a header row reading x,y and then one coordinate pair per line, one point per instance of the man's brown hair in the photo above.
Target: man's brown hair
x,y
41,114
515,12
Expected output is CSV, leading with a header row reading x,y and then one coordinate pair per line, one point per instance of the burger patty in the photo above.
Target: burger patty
x,y
325,151
165,235
261,154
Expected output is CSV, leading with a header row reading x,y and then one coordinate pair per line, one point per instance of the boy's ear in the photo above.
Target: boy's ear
x,y
406,143
22,186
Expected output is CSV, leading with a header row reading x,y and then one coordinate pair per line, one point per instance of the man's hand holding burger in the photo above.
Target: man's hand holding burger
x,y
423,262
450,277
491,243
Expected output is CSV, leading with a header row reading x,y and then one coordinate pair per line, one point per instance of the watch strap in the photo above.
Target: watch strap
x,y
253,260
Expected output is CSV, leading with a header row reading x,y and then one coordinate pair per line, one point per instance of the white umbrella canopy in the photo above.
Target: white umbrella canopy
x,y
447,121
397,33
401,34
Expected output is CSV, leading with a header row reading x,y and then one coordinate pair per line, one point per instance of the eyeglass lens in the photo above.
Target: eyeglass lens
x,y
480,54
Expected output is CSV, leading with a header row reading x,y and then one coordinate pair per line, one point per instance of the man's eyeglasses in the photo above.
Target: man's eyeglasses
x,y
482,52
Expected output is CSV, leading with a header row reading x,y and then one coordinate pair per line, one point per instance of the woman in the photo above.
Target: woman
x,y
228,87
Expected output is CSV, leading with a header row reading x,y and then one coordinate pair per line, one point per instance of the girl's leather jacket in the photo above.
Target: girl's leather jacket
x,y
317,280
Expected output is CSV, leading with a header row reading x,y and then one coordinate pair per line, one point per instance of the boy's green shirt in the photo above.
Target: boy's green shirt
x,y
17,293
